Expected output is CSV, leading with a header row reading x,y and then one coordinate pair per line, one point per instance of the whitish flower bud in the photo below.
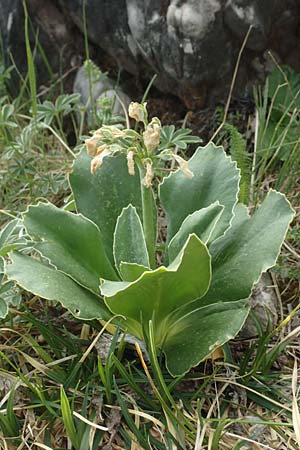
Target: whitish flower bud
x,y
183,166
98,159
92,144
130,162
151,135
137,111
149,175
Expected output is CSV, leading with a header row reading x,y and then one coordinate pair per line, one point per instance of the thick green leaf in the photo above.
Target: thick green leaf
x,y
250,247
193,337
71,242
102,196
52,284
131,272
129,240
216,178
160,292
201,222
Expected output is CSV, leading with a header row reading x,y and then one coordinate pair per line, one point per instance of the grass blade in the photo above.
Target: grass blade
x,y
30,63
295,408
130,422
67,418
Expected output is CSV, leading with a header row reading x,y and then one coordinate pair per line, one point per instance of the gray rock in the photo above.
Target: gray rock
x,y
11,19
101,88
99,83
264,304
192,45
239,15
104,342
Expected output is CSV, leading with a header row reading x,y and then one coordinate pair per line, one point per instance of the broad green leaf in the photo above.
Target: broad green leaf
x,y
52,284
131,272
201,222
193,337
216,178
71,242
160,292
250,247
102,196
129,240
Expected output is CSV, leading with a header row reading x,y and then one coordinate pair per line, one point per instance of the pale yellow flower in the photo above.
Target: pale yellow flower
x,y
137,111
98,159
183,166
151,135
92,144
149,175
130,162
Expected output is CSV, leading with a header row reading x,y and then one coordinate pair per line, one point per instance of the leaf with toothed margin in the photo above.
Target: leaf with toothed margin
x,y
71,242
201,222
102,196
51,284
194,336
129,240
216,178
160,292
249,247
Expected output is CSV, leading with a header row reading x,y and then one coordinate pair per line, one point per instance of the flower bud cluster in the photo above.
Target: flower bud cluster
x,y
143,149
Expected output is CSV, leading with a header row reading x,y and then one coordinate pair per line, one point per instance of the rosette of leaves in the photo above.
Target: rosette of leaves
x,y
96,261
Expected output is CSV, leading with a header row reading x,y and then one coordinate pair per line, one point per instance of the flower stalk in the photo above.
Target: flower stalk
x,y
149,217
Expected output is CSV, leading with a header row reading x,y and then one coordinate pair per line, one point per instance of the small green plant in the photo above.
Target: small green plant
x,y
100,263
105,112
48,111
239,154
278,126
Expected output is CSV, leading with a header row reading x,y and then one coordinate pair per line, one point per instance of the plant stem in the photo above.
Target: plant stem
x,y
149,219
30,63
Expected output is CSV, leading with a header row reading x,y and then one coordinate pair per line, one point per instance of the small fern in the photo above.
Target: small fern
x,y
238,150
